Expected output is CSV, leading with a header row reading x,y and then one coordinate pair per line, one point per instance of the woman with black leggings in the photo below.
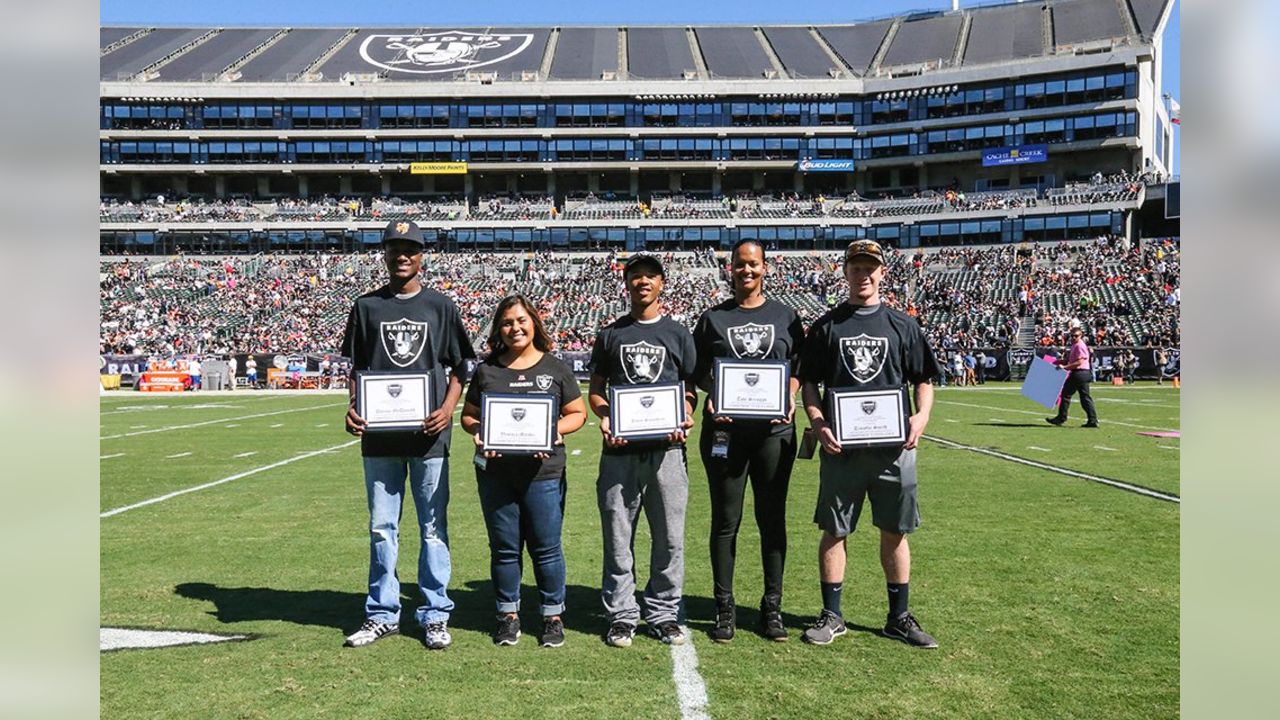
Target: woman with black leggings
x,y
734,450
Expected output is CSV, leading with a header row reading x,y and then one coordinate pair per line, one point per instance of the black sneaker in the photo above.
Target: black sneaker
x,y
1054,421
552,632
908,630
668,632
1091,423
620,634
726,619
508,630
771,626
828,627
370,632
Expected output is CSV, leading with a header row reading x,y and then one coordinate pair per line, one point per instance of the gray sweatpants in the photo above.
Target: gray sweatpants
x,y
657,481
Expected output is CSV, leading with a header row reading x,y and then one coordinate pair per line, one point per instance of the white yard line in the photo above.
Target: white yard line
x,y
691,690
1035,447
576,452
1043,412
227,479
176,455
232,425
1063,471
221,420
323,425
1104,447
245,454
127,638
278,425
108,457
1169,447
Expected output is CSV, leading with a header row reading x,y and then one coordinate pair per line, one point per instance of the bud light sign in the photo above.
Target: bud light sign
x,y
825,165
1018,155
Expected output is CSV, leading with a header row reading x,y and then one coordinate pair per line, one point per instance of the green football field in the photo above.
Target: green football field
x,y
1046,565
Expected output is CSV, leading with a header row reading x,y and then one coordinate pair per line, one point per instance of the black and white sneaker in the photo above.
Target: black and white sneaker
x,y
908,630
1055,421
668,632
620,634
828,627
370,632
552,632
508,630
436,635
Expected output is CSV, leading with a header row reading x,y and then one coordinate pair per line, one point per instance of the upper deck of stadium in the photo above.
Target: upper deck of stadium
x,y
962,45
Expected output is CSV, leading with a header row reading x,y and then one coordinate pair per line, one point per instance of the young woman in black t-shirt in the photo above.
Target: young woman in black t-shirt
x,y
522,497
749,326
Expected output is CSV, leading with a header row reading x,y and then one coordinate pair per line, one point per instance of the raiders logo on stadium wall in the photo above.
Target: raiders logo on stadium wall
x,y
544,382
642,362
751,340
441,52
403,340
863,356
1021,356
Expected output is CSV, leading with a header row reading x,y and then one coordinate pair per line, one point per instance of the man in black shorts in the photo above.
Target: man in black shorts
x,y
864,345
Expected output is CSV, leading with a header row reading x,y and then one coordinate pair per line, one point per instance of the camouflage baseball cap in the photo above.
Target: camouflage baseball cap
x,y
868,248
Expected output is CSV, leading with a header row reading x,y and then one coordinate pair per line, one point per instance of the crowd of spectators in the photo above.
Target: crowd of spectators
x,y
965,298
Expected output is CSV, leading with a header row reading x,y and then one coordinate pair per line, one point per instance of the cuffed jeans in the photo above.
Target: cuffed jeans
x,y
519,511
656,480
428,478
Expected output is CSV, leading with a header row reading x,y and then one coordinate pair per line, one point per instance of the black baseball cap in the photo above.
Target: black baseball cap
x,y
403,230
864,248
647,260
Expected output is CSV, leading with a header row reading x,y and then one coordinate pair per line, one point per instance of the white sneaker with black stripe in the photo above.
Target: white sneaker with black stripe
x,y
370,632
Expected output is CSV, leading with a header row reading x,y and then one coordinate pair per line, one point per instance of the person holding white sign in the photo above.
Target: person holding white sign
x,y
753,328
522,495
865,355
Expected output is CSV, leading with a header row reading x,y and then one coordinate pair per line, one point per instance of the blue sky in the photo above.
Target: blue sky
x,y
543,13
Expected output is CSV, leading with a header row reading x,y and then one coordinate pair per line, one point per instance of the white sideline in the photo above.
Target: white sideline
x,y
691,691
1042,414
237,476
215,422
1064,471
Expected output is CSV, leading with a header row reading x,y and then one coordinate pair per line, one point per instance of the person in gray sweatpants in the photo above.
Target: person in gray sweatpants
x,y
642,347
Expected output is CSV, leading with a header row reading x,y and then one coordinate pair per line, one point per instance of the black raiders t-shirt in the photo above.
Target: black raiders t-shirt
x,y
420,333
630,352
771,331
872,348
550,376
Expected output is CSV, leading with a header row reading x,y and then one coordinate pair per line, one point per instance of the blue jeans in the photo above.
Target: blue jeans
x,y
519,511
384,479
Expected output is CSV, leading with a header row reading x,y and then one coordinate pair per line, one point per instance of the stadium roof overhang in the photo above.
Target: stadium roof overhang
x,y
656,89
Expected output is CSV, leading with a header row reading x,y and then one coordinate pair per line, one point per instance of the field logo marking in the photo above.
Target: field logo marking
x,y
228,479
130,638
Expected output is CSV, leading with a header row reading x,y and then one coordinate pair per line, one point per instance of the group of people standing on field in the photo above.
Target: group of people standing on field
x,y
860,344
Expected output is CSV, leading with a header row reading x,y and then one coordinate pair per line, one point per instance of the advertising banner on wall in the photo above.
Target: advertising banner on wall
x,y
1015,155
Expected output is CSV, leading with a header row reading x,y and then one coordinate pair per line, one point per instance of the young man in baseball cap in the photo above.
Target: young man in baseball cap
x,y
863,345
403,326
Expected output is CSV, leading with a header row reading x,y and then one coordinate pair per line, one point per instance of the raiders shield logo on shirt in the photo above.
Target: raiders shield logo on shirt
x,y
403,340
751,340
863,356
544,382
642,362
